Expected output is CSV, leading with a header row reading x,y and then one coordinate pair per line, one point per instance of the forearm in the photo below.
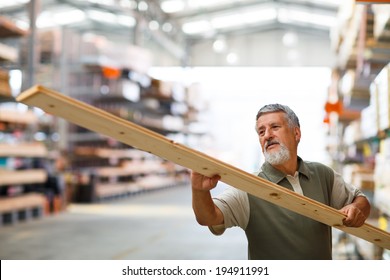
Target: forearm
x,y
206,212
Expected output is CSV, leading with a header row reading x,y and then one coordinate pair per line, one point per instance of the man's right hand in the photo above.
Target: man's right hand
x,y
206,212
203,183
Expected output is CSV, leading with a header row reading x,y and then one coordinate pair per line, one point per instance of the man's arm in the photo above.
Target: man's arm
x,y
357,212
206,212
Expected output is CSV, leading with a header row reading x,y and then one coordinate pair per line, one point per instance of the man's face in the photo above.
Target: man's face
x,y
277,139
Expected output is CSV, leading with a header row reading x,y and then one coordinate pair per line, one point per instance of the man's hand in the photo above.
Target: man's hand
x,y
206,212
355,217
357,212
203,183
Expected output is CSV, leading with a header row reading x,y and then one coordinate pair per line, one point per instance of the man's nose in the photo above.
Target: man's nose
x,y
268,134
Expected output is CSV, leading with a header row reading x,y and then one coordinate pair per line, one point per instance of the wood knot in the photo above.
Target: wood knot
x,y
274,195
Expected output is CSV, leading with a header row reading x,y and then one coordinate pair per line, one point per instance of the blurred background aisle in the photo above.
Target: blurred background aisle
x,y
156,225
196,72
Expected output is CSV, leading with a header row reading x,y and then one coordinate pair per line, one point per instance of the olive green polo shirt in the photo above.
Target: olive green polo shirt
x,y
274,232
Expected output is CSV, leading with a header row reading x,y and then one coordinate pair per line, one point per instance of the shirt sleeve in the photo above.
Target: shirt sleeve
x,y
234,205
343,193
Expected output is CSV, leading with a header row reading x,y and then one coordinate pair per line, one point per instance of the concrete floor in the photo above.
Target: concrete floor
x,y
156,225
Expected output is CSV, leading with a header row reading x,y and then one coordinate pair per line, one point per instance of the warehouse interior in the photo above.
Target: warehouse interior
x,y
195,72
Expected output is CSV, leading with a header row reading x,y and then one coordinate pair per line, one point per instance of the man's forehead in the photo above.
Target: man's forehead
x,y
271,117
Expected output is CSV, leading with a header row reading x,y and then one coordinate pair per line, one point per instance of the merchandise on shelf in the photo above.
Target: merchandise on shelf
x,y
112,77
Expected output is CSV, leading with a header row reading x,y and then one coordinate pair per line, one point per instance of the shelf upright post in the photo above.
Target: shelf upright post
x,y
33,9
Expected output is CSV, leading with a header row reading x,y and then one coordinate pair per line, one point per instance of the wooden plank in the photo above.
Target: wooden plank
x,y
23,150
9,29
25,201
20,177
127,132
15,116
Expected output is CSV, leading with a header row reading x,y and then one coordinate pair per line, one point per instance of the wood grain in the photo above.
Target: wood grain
x,y
141,138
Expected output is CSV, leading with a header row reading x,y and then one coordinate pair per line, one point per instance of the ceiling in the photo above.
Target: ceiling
x,y
178,20
207,18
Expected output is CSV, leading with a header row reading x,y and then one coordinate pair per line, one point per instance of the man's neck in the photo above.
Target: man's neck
x,y
289,167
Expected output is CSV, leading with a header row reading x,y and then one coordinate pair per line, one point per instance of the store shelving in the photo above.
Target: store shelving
x,y
115,81
361,85
23,174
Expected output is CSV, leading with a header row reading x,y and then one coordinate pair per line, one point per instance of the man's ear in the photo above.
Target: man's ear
x,y
297,132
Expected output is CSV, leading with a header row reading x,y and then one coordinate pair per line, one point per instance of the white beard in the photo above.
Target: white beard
x,y
279,157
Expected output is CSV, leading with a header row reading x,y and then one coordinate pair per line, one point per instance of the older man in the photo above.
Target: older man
x,y
274,232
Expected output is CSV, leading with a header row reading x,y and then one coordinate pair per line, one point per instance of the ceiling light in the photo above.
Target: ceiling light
x,y
103,2
4,4
239,18
290,39
331,3
102,16
206,3
219,45
195,27
130,4
232,58
50,19
126,20
290,15
154,25
244,17
69,17
167,27
143,6
172,6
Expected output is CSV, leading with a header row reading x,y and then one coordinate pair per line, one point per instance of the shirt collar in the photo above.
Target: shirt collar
x,y
275,175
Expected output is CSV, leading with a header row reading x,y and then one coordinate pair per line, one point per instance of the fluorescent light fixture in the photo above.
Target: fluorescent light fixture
x,y
154,25
219,45
143,6
8,3
111,18
167,27
68,17
206,3
126,20
260,15
246,17
232,58
102,16
172,6
329,3
50,19
130,4
290,39
103,2
290,15
195,27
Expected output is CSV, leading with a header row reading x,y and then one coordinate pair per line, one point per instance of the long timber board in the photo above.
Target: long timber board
x,y
143,139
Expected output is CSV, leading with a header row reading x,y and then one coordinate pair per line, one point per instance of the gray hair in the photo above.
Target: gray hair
x,y
292,119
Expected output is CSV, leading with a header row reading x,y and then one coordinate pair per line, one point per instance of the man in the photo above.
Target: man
x,y
274,232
